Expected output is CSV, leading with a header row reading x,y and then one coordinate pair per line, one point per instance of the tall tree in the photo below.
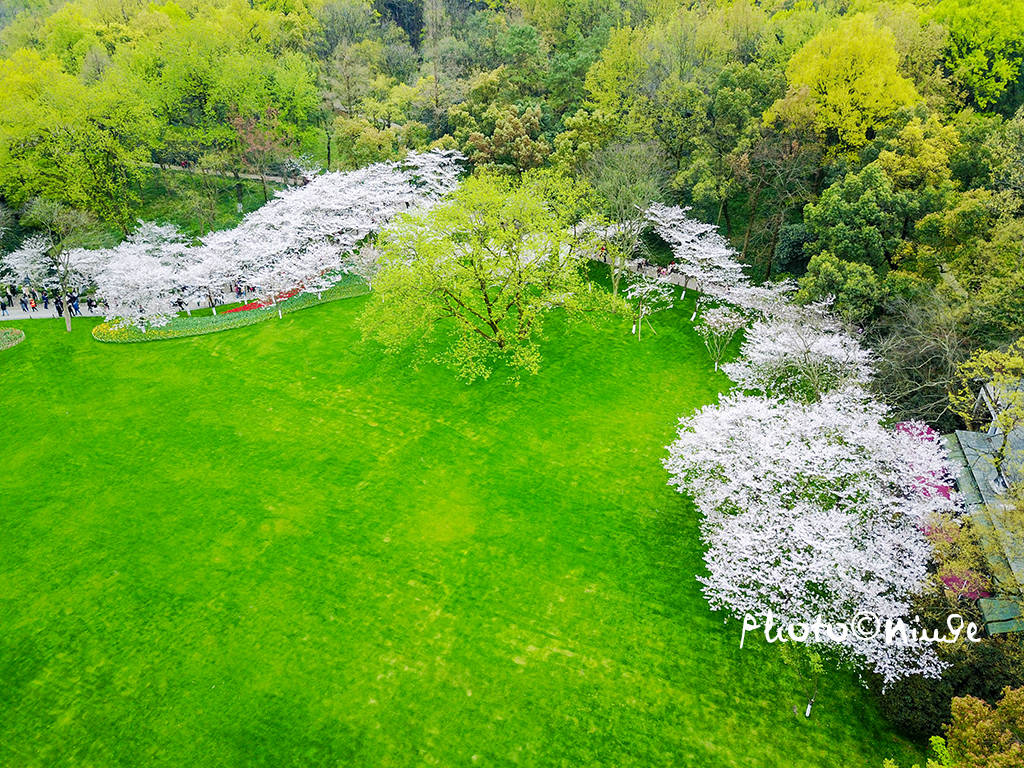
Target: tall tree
x,y
481,273
50,259
845,84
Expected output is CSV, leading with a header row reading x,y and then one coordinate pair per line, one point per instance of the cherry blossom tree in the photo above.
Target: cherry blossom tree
x,y
49,259
800,352
298,241
307,232
706,262
140,278
702,256
647,295
813,510
718,327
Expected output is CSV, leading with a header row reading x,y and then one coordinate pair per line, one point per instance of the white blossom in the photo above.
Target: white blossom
x,y
718,327
36,261
812,509
800,352
302,240
140,278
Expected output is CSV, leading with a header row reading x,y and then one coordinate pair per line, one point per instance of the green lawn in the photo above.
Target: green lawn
x,y
273,547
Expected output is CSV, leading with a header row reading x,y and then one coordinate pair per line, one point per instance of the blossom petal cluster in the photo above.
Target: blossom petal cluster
x,y
298,242
811,504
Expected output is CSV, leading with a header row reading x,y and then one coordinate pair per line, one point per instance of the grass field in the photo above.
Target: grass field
x,y
273,547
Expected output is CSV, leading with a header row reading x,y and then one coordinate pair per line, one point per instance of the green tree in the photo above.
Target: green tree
x,y
845,84
983,736
986,47
860,218
627,179
69,142
1002,372
509,141
859,294
480,274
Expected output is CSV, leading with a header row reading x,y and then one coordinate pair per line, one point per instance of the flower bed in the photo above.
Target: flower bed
x,y
260,305
10,337
182,326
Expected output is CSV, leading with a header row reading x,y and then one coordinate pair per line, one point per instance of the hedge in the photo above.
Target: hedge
x,y
183,325
10,337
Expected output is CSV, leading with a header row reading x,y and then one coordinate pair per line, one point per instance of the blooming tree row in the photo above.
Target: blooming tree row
x,y
299,241
812,507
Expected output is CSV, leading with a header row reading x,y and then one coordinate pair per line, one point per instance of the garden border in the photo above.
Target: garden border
x,y
183,327
10,337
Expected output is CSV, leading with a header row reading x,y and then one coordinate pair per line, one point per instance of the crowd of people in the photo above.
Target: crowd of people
x,y
31,300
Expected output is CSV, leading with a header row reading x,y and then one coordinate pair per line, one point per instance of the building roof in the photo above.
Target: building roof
x,y
973,457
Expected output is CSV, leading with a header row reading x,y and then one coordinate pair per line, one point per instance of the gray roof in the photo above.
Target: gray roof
x,y
973,457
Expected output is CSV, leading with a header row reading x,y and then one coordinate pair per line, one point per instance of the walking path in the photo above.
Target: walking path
x,y
16,313
650,270
288,181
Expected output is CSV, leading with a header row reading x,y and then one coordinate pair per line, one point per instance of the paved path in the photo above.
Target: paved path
x,y
651,271
291,182
16,313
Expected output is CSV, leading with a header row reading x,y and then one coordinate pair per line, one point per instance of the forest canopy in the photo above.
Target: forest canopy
x,y
872,150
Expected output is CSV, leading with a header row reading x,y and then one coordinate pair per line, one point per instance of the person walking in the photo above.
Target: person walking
x,y
24,303
46,299
74,303
32,304
3,307
58,305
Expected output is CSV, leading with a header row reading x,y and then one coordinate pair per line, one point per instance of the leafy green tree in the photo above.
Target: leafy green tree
x,y
360,143
859,294
983,736
627,178
67,142
1006,146
480,274
845,84
510,140
860,218
1002,371
616,83
986,47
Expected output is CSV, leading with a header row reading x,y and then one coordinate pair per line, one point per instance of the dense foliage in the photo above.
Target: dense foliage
x,y
877,145
870,151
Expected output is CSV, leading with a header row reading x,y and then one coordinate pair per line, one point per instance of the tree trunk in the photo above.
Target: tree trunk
x,y
67,316
750,221
771,247
239,193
